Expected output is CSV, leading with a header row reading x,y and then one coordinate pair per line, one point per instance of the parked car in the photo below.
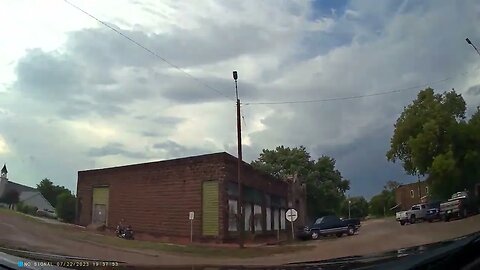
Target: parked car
x,y
460,205
417,212
46,213
330,225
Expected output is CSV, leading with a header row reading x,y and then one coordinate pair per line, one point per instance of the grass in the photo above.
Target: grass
x,y
138,246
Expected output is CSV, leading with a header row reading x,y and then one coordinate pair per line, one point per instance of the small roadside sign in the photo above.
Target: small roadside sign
x,y
291,215
191,216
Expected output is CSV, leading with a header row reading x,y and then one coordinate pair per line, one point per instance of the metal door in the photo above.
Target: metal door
x,y
100,205
210,208
99,214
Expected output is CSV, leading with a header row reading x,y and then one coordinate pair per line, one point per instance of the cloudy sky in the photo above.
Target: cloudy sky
x,y
75,95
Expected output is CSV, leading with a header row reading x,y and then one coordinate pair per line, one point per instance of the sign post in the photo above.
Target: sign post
x,y
291,215
191,216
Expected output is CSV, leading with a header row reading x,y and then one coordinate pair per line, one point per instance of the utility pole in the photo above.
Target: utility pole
x,y
241,220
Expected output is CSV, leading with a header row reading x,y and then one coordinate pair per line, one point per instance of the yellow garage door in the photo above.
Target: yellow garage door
x,y
100,205
210,208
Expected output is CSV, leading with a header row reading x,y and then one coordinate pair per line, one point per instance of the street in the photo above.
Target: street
x,y
374,236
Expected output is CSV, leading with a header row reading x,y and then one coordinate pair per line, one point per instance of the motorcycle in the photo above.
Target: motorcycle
x,y
125,232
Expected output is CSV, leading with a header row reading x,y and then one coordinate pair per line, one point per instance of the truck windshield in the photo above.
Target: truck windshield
x,y
416,207
318,221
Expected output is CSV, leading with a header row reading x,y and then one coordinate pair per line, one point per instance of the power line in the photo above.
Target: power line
x,y
351,97
148,50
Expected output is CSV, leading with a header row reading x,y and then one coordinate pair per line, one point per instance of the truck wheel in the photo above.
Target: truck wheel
x,y
351,231
446,218
463,213
315,235
402,222
339,235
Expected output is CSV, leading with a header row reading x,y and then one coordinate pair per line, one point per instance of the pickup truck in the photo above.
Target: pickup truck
x,y
417,212
330,225
461,204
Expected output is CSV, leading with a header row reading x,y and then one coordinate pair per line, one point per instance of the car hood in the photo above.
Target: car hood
x,y
371,261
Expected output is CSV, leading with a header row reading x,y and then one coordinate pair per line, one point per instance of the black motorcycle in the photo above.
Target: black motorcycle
x,y
124,232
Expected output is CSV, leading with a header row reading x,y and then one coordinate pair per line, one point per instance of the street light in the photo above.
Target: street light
x,y
469,42
349,203
239,166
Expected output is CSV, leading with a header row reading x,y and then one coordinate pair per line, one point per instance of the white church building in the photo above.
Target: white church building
x,y
27,195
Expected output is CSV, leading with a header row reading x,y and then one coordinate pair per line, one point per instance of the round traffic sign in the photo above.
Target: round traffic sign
x,y
291,215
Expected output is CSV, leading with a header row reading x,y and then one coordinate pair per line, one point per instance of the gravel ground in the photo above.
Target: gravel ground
x,y
374,236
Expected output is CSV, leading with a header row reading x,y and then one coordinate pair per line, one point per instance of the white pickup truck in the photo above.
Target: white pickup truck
x,y
417,212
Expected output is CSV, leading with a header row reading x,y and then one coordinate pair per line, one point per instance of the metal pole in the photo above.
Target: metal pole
x,y
293,233
239,167
191,231
349,203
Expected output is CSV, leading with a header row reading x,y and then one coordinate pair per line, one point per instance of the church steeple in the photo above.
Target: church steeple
x,y
4,171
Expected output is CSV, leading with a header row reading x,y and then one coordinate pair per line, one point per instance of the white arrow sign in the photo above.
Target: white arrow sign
x,y
291,215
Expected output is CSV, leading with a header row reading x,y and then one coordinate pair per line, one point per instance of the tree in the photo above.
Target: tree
x,y
325,185
358,207
432,137
66,207
381,204
51,191
391,185
11,198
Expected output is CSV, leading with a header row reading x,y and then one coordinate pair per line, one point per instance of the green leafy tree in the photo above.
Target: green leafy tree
x,y
325,185
381,204
358,207
432,137
51,191
11,198
66,207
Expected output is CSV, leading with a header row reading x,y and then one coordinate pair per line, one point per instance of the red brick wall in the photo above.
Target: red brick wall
x,y
153,197
403,197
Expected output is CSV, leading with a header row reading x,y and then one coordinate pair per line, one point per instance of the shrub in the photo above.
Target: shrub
x,y
27,209
66,207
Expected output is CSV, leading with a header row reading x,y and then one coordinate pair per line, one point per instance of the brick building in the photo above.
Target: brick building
x,y
156,198
409,194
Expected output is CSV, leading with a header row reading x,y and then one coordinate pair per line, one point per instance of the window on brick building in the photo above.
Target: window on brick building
x,y
257,218
248,217
412,194
268,215
282,219
276,219
232,215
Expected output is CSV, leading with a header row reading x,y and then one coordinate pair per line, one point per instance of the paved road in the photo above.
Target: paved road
x,y
374,236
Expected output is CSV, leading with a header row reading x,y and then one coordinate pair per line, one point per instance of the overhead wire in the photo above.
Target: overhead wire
x,y
416,87
148,50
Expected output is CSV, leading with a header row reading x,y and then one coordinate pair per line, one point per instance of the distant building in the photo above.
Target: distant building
x,y
27,195
156,198
407,195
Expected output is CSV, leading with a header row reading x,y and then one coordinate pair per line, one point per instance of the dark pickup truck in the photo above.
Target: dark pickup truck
x,y
330,225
